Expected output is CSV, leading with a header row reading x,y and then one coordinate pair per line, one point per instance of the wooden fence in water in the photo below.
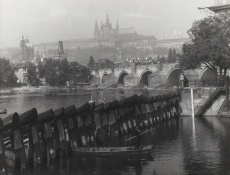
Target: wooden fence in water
x,y
34,137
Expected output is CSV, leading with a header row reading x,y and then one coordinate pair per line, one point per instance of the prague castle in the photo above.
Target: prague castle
x,y
105,35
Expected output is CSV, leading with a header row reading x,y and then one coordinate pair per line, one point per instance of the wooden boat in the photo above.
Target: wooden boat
x,y
51,94
4,111
144,152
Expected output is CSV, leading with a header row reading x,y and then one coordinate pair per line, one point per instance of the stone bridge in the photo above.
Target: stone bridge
x,y
149,75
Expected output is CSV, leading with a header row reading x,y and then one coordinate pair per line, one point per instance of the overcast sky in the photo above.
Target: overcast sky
x,y
53,20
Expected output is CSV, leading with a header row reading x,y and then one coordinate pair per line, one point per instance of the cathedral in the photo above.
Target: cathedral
x,y
104,35
27,49
107,32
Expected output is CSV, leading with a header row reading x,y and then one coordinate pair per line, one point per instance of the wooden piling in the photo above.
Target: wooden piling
x,y
18,146
45,128
3,169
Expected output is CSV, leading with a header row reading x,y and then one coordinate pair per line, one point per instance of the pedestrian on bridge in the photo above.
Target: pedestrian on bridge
x,y
182,79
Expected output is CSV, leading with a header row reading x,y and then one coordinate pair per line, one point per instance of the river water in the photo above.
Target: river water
x,y
183,146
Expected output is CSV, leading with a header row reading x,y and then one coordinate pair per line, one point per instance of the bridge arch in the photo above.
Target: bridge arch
x,y
173,76
121,77
103,75
144,77
207,74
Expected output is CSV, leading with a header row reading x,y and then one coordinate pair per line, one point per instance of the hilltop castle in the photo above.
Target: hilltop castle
x,y
107,36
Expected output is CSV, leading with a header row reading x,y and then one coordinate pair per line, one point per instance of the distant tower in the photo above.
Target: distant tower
x,y
175,34
101,28
117,25
107,19
27,39
218,2
60,47
61,54
179,34
107,28
96,31
23,48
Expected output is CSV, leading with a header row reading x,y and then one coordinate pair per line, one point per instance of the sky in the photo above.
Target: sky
x,y
53,20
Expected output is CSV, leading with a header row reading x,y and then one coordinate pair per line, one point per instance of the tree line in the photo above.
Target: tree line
x,y
58,72
7,76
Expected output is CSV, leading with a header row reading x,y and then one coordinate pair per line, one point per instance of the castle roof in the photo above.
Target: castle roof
x,y
123,31
29,44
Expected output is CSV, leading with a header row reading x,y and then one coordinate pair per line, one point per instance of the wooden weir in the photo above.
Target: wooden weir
x,y
35,138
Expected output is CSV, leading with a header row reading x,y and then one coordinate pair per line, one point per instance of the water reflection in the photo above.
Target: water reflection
x,y
185,146
173,152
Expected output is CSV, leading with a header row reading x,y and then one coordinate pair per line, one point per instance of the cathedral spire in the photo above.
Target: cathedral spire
x,y
96,30
117,25
22,37
101,26
27,39
107,19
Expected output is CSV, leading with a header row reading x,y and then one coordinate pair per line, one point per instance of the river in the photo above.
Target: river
x,y
183,146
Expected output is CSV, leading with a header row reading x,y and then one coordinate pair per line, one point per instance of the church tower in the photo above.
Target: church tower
x,y
107,28
23,48
218,2
96,31
27,49
117,29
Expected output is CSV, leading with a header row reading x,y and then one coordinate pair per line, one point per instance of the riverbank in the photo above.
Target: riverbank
x,y
74,90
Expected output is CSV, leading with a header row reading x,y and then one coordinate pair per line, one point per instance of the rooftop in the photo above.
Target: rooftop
x,y
26,64
123,31
217,8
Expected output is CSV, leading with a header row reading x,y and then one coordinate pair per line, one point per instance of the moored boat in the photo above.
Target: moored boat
x,y
50,94
144,152
4,111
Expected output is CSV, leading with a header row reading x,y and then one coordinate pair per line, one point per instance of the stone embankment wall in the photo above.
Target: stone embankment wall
x,y
200,95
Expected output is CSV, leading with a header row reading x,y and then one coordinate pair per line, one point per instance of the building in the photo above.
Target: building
x,y
21,71
176,42
107,36
60,52
220,6
27,49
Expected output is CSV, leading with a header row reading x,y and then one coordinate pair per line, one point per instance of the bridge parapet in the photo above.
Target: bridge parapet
x,y
152,75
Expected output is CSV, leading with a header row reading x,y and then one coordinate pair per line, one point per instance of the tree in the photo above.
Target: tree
x,y
105,63
7,77
173,59
33,76
162,59
209,46
170,55
58,72
91,63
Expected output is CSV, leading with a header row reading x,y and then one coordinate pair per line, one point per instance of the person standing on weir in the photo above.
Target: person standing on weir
x,y
138,138
182,79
